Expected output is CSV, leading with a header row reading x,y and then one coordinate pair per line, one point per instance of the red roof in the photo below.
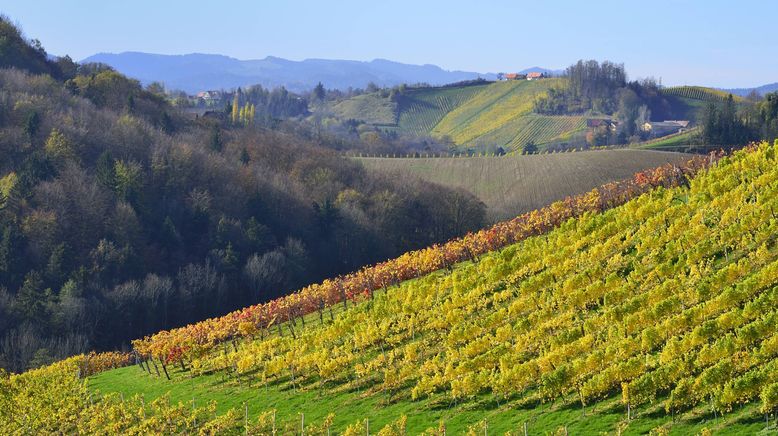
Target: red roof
x,y
534,75
597,122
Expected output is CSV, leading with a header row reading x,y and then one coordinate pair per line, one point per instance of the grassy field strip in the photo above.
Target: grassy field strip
x,y
515,184
351,406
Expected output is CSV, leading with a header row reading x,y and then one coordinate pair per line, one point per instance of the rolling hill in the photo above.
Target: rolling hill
x,y
475,116
515,184
624,313
485,116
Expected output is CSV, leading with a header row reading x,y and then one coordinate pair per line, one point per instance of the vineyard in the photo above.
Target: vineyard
x,y
699,93
541,129
491,109
514,184
494,114
497,114
421,109
655,313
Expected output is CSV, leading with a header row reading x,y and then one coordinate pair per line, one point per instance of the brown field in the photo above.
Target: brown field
x,y
514,184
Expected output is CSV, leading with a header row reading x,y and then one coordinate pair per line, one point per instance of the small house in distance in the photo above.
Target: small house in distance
x,y
513,76
209,96
594,123
664,128
534,75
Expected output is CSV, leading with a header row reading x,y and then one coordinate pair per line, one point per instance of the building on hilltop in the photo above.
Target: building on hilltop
x,y
664,128
594,123
535,75
209,96
511,76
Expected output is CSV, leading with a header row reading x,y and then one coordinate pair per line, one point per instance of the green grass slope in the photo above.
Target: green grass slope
x,y
370,108
656,315
513,184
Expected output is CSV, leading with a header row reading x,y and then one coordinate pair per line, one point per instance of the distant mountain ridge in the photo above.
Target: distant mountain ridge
x,y
761,90
198,72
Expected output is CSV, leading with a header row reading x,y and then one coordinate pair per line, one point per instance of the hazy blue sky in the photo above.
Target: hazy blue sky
x,y
713,42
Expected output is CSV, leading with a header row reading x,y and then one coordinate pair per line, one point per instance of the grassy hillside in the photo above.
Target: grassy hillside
x,y
514,184
658,315
370,108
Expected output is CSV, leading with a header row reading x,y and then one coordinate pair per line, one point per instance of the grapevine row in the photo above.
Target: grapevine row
x,y
196,339
561,314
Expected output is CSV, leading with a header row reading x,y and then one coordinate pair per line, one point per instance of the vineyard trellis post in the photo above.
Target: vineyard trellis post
x,y
164,368
156,368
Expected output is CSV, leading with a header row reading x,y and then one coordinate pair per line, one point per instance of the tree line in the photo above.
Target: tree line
x,y
727,123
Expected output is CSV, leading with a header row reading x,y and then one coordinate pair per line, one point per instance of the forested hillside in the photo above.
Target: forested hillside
x,y
657,315
119,216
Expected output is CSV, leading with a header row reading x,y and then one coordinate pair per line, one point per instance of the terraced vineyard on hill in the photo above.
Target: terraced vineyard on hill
x,y
489,114
541,129
657,315
423,108
496,114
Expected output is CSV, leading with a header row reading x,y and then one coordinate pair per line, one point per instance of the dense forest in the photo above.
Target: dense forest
x,y
120,216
